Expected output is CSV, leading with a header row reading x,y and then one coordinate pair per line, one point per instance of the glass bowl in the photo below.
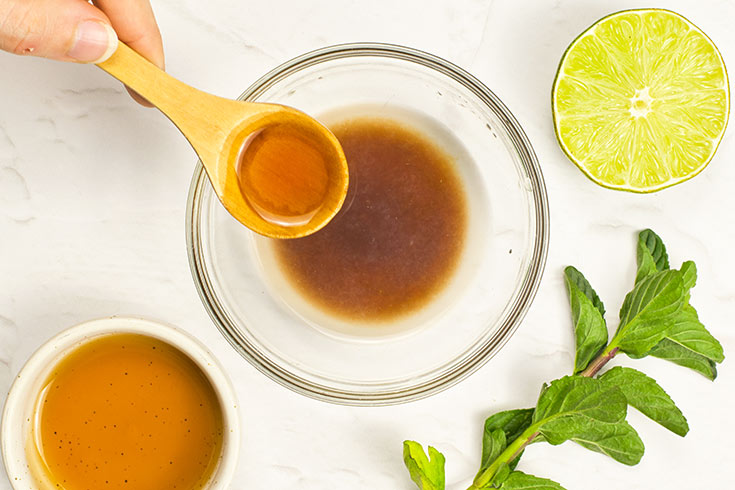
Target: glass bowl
x,y
314,354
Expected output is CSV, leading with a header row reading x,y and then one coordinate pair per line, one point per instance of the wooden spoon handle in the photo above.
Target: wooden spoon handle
x,y
203,118
154,84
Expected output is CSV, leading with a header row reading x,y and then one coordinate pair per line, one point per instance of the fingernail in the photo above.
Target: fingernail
x,y
94,42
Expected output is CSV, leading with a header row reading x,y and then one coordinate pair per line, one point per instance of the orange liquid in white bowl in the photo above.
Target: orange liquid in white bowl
x,y
127,411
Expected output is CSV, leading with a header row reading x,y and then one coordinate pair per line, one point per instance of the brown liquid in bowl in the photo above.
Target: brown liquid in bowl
x,y
399,236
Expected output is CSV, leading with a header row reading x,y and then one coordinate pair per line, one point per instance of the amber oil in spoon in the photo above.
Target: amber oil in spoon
x,y
283,172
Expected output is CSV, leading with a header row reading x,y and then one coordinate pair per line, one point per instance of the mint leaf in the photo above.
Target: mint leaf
x,y
522,481
572,275
501,428
689,332
658,294
493,443
590,413
648,311
500,476
620,441
579,400
646,264
644,394
688,274
678,354
651,255
512,422
427,473
588,313
689,344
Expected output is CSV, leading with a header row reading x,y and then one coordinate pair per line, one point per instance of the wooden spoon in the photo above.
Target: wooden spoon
x,y
275,169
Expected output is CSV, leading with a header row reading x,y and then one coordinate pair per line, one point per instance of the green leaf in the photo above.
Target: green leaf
x,y
678,354
577,397
588,312
651,255
658,294
590,413
648,311
499,477
620,441
493,443
689,332
648,397
427,473
646,265
572,275
500,429
522,481
512,422
688,274
689,344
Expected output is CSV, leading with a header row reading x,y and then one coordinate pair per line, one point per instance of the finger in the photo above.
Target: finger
x,y
136,26
67,30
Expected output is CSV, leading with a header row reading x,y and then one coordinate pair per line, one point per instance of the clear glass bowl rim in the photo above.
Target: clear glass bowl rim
x,y
530,282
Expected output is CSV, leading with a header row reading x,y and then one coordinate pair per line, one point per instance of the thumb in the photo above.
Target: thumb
x,y
66,30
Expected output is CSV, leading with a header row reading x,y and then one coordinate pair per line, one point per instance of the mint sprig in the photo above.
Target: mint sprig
x,y
656,319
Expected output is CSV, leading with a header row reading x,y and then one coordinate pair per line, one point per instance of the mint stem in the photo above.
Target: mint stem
x,y
511,452
518,445
595,366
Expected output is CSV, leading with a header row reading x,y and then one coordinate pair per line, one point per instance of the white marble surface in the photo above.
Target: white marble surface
x,y
92,202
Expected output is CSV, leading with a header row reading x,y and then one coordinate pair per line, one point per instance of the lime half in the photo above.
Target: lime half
x,y
641,100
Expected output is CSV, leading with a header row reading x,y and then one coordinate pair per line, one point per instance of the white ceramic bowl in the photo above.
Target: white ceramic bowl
x,y
16,419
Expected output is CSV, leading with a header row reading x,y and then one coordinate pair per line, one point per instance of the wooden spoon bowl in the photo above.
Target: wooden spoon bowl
x,y
275,169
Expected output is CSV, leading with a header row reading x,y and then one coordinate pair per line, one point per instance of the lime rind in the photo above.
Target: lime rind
x,y
645,122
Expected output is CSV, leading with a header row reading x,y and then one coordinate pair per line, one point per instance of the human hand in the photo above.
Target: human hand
x,y
75,30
